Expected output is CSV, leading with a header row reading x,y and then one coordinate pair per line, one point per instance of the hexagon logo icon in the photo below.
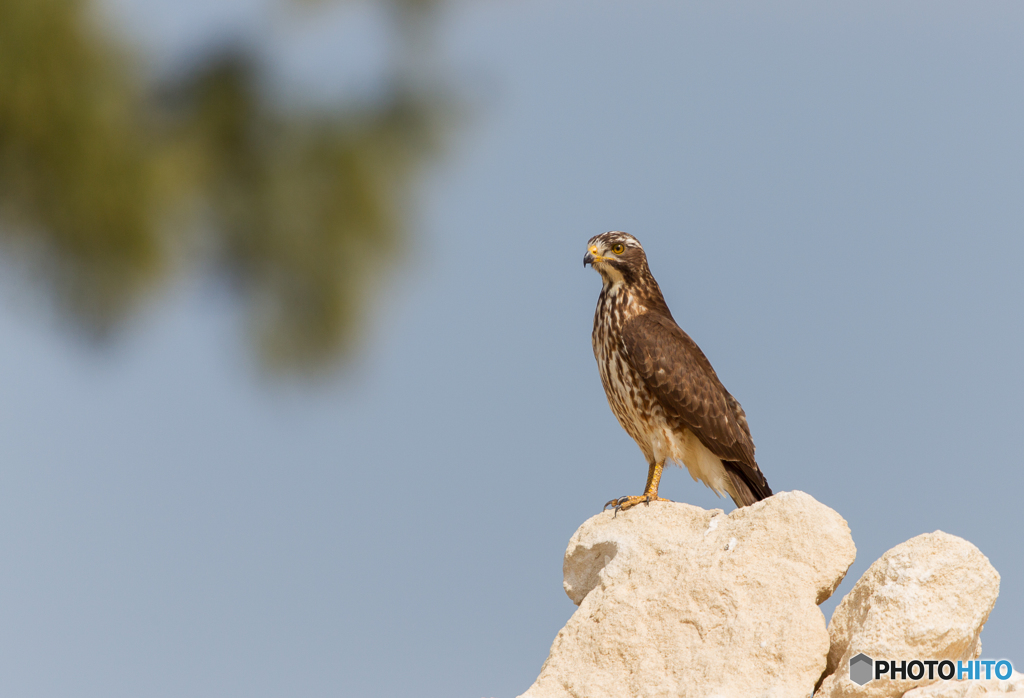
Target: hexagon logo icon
x,y
860,669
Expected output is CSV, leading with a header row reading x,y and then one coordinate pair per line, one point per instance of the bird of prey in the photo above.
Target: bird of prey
x,y
660,385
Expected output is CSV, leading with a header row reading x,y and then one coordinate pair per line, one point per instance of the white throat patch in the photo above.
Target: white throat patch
x,y
611,276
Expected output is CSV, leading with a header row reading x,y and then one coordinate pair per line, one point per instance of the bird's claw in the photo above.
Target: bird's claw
x,y
624,503
610,502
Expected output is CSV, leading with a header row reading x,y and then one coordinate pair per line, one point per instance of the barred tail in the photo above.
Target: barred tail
x,y
749,483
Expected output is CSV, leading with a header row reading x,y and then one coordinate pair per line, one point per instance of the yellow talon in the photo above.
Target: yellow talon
x,y
650,492
624,503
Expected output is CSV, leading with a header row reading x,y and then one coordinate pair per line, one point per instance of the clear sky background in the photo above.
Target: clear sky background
x,y
832,199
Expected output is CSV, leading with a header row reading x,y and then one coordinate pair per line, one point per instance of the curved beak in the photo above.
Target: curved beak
x,y
591,256
588,258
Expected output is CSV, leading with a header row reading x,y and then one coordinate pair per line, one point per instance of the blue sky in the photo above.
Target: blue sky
x,y
831,199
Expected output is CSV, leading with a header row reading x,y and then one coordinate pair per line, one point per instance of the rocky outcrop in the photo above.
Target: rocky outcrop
x,y
679,601
926,599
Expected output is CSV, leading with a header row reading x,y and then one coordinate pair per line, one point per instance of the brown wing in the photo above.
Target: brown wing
x,y
682,379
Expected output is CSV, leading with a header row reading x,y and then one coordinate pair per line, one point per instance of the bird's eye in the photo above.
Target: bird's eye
x,y
618,249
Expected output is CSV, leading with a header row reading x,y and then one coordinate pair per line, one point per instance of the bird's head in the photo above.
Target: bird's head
x,y
617,256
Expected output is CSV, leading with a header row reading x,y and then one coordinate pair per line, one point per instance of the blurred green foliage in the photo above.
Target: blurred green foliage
x,y
110,187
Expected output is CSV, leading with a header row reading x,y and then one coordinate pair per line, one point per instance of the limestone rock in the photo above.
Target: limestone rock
x,y
675,600
926,598
969,689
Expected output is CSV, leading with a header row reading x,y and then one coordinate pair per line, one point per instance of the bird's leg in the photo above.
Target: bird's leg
x,y
653,479
650,491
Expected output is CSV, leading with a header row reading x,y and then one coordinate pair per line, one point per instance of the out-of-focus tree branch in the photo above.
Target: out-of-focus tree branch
x,y
105,181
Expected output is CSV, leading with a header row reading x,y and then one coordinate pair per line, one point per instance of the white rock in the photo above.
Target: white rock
x,y
926,598
675,600
968,689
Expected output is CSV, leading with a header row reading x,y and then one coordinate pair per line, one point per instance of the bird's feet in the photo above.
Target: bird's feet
x,y
623,503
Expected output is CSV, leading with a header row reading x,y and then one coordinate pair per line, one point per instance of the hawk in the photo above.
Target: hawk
x,y
659,384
